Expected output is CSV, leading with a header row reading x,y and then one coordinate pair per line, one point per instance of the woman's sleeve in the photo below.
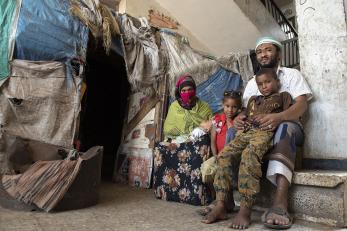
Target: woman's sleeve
x,y
169,122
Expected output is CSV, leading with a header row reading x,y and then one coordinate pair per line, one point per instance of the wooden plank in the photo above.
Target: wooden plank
x,y
141,114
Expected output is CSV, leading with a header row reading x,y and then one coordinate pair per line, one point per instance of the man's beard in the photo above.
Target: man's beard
x,y
272,64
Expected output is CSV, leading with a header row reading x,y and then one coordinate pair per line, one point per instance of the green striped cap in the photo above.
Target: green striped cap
x,y
268,39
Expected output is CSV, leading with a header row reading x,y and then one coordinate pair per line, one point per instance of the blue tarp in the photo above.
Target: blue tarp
x,y
47,31
212,90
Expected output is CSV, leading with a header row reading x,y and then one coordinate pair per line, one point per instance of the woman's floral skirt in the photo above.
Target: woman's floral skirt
x,y
177,174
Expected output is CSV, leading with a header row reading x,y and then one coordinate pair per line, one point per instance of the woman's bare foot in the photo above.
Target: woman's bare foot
x,y
216,214
242,219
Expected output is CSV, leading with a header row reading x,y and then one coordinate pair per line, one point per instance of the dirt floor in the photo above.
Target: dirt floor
x,y
124,208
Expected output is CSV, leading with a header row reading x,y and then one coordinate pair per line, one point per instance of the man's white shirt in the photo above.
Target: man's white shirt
x,y
295,84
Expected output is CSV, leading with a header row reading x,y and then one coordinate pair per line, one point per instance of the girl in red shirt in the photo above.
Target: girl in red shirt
x,y
222,131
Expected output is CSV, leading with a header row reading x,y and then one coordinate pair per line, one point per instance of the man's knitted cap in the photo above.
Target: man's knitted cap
x,y
268,39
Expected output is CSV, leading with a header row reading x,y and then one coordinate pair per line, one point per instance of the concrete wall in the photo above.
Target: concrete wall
x,y
261,18
220,25
323,55
290,7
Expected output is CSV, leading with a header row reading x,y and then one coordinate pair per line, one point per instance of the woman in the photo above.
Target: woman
x,y
177,174
186,112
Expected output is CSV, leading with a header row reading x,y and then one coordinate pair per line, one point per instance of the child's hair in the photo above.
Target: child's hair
x,y
235,95
267,71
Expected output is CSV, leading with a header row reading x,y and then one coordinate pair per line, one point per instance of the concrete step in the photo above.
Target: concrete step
x,y
316,195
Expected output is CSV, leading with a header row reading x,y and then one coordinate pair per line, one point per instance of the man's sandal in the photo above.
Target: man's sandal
x,y
280,212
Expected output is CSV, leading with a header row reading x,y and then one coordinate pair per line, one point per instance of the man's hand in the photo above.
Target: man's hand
x,y
268,122
239,122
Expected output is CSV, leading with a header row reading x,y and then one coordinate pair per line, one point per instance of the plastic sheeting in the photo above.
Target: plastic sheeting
x,y
212,90
141,53
47,31
35,102
180,54
184,59
8,17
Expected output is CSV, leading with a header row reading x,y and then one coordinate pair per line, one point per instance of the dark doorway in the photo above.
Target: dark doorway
x,y
105,104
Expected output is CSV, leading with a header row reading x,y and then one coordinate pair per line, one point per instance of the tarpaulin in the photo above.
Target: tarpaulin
x,y
8,17
36,103
47,31
212,90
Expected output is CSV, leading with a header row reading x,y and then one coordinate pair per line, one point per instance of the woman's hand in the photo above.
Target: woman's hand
x,y
268,122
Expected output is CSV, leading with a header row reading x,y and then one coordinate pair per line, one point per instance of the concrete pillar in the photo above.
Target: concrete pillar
x,y
323,61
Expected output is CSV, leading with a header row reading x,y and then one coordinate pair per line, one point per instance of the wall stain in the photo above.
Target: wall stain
x,y
302,2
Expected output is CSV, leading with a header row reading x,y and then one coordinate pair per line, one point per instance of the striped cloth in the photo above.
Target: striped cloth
x,y
44,183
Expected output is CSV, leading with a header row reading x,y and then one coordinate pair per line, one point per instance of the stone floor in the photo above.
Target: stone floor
x,y
125,208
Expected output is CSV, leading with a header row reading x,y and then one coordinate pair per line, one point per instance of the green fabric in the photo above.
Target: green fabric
x,y
180,121
7,9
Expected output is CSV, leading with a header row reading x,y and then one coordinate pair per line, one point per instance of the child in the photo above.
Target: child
x,y
222,132
250,145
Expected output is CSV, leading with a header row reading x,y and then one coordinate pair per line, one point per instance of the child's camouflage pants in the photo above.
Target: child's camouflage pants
x,y
250,147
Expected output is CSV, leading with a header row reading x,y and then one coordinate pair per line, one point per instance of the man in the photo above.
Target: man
x,y
282,157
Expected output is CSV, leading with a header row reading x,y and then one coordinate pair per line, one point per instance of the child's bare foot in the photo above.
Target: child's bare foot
x,y
242,219
217,213
230,207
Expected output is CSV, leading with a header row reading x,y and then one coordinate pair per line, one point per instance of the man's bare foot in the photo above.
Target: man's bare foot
x,y
217,213
242,219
